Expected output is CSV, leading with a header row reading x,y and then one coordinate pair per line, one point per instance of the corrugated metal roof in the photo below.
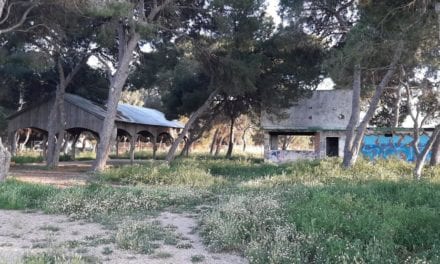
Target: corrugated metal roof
x,y
126,113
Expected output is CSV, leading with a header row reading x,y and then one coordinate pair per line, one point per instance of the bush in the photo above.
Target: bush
x,y
141,237
241,220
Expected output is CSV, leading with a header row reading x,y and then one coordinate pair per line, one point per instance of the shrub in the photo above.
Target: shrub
x,y
141,237
239,221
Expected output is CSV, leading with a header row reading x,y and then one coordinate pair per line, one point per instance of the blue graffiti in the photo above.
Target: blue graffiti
x,y
381,146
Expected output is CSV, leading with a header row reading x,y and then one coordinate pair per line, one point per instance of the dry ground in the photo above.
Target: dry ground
x,y
67,174
27,233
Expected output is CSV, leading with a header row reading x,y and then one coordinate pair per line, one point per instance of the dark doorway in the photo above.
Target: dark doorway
x,y
332,146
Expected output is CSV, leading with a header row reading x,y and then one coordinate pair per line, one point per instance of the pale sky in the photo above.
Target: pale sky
x,y
272,8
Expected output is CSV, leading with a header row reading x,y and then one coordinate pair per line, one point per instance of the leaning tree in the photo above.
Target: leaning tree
x,y
129,22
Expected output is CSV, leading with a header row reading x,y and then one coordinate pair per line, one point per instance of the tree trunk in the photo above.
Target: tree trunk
x,y
186,148
218,146
26,140
132,149
355,143
57,116
154,141
117,147
214,139
231,139
64,145
354,119
435,156
74,141
243,138
117,82
421,158
396,110
5,161
55,126
44,146
15,140
171,153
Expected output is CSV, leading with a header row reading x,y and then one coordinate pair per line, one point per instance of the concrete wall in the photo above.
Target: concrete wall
x,y
374,146
272,153
282,156
325,110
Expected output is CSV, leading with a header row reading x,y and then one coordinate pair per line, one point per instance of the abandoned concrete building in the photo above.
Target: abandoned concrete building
x,y
132,122
317,126
320,121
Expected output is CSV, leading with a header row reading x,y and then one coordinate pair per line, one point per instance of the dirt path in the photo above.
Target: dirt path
x,y
68,173
24,234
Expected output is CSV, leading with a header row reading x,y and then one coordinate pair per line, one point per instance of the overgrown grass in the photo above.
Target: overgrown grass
x,y
95,201
144,155
248,172
304,212
142,237
161,174
18,195
25,159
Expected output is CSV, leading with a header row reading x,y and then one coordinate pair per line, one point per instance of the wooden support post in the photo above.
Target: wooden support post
x,y
44,146
132,148
74,141
154,141
117,147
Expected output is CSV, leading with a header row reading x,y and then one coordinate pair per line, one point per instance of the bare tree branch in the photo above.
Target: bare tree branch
x,y
21,21
157,9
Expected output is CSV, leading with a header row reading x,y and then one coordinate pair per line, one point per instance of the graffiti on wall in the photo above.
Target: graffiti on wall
x,y
381,146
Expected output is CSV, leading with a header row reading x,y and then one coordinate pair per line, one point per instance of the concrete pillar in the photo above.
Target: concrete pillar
x,y
270,143
317,142
273,141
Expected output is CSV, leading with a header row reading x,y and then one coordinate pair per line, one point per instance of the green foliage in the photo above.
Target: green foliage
x,y
142,237
17,195
315,211
197,258
162,174
95,201
303,212
53,258
113,9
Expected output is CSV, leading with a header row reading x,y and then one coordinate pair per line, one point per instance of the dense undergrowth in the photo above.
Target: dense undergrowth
x,y
305,212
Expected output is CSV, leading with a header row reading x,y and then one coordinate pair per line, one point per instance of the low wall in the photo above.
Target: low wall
x,y
280,156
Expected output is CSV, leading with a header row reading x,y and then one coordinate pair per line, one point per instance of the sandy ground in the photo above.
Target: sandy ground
x,y
24,233
68,174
